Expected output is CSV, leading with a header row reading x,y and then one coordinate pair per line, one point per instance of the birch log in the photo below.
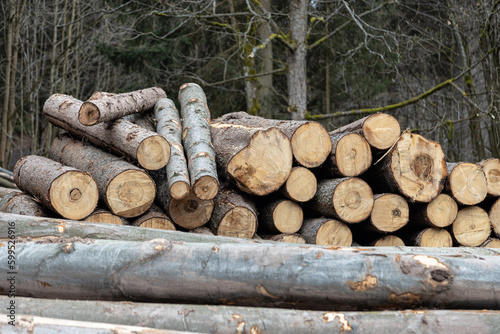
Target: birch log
x,y
151,150
466,183
170,127
68,191
197,141
112,107
21,203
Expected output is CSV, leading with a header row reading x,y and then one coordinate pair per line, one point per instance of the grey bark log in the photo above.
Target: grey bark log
x,y
20,203
6,191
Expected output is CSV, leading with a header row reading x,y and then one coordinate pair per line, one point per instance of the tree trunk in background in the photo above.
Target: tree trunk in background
x,y
265,65
297,60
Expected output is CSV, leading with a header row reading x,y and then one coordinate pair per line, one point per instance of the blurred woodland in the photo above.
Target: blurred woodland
x,y
434,65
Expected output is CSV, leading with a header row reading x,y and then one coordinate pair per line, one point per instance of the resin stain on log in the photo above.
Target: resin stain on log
x,y
370,282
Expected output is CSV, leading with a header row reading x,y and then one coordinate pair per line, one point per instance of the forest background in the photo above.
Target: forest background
x,y
434,65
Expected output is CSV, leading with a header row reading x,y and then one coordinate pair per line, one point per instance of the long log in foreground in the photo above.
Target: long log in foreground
x,y
228,319
249,274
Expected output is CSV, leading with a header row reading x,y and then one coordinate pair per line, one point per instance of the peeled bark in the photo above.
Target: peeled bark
x,y
431,237
281,216
327,232
472,226
68,191
154,218
311,144
350,156
170,127
258,159
440,212
127,190
491,169
151,150
349,199
466,183
494,215
114,106
300,186
234,215
197,141
380,130
21,203
104,216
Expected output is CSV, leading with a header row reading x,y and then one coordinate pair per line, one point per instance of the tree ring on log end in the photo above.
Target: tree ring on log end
x,y
468,183
353,200
179,190
390,213
158,223
472,226
301,185
238,222
311,144
206,187
190,212
74,195
494,215
436,237
89,114
422,166
153,153
353,155
334,233
288,216
491,168
389,240
442,211
381,131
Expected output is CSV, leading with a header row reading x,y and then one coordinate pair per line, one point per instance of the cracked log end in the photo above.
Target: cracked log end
x,y
491,168
467,183
311,144
239,222
472,226
89,114
353,200
190,212
381,131
153,153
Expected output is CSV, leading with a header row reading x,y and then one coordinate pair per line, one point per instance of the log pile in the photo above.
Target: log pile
x,y
131,165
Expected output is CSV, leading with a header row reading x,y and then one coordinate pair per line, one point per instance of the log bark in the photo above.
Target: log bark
x,y
300,186
234,215
258,159
326,232
245,274
491,169
68,191
472,226
197,141
6,191
294,238
347,199
415,167
466,183
170,127
228,319
111,107
494,215
350,156
431,237
21,203
388,241
491,243
105,216
155,218
380,130
151,150
127,190
440,212
390,213
309,140
281,216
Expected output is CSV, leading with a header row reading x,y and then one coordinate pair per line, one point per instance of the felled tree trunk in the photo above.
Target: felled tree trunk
x,y
198,142
348,199
440,212
21,203
430,237
258,159
105,216
151,150
66,190
127,190
491,169
112,107
281,215
300,186
5,191
350,156
471,227
466,183
170,127
234,215
309,140
327,232
155,218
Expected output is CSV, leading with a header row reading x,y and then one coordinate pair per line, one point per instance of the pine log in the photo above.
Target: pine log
x,y
105,216
234,215
246,274
390,213
348,199
229,319
415,167
309,140
258,159
440,212
466,183
491,169
170,127
350,156
380,130
472,226
66,190
327,232
112,107
197,141
154,218
494,215
21,203
431,237
388,240
294,238
300,186
491,243
281,215
127,190
150,149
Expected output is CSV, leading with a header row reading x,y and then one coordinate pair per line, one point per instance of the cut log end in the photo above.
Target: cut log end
x,y
158,223
311,144
467,183
491,169
334,233
190,212
381,131
239,222
442,211
130,193
390,213
389,241
435,237
206,187
179,190
288,217
353,200
264,165
472,226
289,238
494,215
74,195
353,155
105,217
89,114
301,185
153,153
